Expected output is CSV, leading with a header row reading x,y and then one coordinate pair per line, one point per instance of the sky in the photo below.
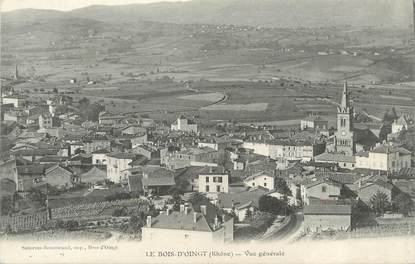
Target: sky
x,y
9,5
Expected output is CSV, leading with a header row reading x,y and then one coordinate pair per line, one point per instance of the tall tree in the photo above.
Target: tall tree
x,y
282,187
379,202
403,203
272,205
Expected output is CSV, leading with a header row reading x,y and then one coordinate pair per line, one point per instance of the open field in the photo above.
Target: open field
x,y
210,97
215,72
237,107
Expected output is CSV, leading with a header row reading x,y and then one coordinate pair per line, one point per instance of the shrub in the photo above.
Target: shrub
x,y
120,212
71,225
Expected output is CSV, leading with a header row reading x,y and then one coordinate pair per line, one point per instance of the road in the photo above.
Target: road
x,y
292,229
286,233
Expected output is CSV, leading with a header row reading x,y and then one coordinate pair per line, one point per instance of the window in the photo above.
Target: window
x,y
265,184
219,179
323,189
218,188
214,179
186,236
253,184
207,188
265,178
344,164
207,179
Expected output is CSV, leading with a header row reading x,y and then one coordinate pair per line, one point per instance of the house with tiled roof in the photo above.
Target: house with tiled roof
x,y
34,154
157,180
116,163
192,157
320,188
314,122
326,216
213,181
241,202
343,161
59,176
148,179
94,175
100,156
106,118
261,179
384,158
188,226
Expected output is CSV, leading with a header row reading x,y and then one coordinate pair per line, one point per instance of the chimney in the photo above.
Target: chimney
x,y
203,209
194,217
167,211
360,183
181,208
149,221
216,222
186,210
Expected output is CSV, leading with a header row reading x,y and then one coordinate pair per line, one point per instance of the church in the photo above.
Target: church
x,y
347,140
344,142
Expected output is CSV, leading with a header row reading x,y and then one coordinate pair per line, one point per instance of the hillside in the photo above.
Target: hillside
x,y
269,13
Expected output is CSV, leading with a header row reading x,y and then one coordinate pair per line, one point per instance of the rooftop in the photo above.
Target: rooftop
x,y
181,221
122,155
390,149
327,209
334,157
239,199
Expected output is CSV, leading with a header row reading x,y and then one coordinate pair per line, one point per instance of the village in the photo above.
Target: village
x,y
69,164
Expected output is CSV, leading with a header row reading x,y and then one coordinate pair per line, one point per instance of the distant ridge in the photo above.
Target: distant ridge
x,y
266,13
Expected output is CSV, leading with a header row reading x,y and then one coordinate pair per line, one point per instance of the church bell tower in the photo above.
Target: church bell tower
x,y
344,137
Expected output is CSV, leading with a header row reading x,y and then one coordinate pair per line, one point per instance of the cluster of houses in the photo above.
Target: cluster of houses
x,y
233,166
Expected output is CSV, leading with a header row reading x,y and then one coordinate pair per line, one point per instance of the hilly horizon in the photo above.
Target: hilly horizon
x,y
264,13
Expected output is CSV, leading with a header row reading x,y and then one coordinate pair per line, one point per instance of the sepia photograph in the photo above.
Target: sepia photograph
x,y
207,131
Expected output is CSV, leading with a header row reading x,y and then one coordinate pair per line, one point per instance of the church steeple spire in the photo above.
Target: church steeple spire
x,y
16,72
344,103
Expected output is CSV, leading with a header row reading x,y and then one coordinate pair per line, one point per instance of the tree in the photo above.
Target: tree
x,y
120,211
176,200
384,131
379,202
282,187
71,225
403,203
38,196
7,205
83,102
91,112
79,151
271,205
